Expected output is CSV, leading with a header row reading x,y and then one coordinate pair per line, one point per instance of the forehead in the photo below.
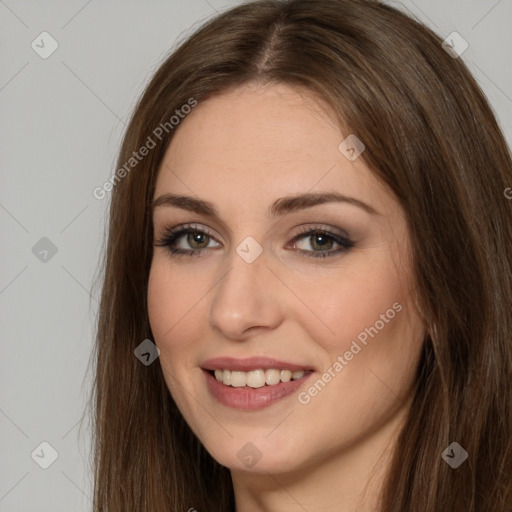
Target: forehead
x,y
258,143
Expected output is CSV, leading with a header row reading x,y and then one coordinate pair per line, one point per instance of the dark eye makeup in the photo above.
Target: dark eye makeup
x,y
199,241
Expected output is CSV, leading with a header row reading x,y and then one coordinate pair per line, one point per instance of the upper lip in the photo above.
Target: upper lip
x,y
251,363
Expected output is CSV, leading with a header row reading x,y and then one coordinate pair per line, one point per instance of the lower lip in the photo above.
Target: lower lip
x,y
251,399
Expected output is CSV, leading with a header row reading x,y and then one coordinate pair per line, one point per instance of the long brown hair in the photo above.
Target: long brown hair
x,y
431,136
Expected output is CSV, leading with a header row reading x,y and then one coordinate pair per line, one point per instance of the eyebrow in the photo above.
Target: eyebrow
x,y
281,206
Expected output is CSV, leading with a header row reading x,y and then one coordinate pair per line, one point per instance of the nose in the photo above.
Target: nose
x,y
247,299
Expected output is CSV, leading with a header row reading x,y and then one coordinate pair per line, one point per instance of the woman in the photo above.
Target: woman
x,y
307,284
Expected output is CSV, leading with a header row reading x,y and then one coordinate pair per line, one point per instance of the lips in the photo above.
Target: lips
x,y
252,363
257,396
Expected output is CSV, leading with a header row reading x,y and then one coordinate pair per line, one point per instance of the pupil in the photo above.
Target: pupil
x,y
321,240
197,238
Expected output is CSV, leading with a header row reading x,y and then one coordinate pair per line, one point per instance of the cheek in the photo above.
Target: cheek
x,y
174,308
372,294
162,302
369,335
173,300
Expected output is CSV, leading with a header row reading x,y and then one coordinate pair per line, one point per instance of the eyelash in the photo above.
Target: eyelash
x,y
170,236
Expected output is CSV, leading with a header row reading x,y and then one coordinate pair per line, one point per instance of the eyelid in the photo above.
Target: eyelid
x,y
340,237
189,227
322,228
303,229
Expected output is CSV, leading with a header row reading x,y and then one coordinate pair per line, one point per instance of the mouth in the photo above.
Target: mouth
x,y
253,383
256,378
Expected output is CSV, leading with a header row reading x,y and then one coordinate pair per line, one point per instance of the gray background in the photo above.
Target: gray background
x,y
61,122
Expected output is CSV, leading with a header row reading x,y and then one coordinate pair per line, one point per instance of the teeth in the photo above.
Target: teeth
x,y
272,377
286,375
238,379
256,378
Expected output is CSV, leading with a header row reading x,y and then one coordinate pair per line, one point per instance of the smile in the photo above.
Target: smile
x,y
257,378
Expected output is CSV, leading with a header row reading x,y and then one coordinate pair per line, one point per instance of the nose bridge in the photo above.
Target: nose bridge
x,y
246,296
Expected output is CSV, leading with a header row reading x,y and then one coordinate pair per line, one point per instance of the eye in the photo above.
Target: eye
x,y
320,242
190,240
198,240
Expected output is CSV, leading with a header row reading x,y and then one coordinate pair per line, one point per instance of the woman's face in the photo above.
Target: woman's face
x,y
316,284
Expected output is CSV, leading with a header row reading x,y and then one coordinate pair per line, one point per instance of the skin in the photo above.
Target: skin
x,y
242,150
